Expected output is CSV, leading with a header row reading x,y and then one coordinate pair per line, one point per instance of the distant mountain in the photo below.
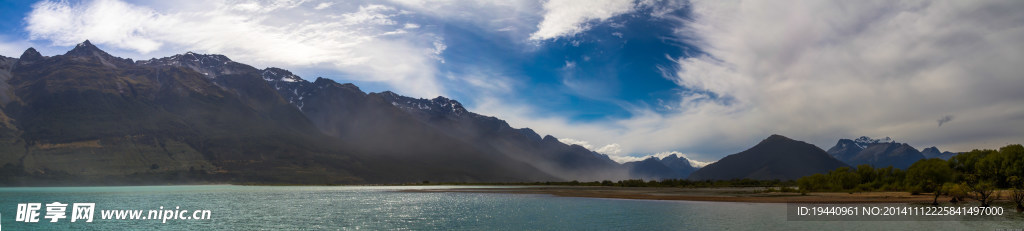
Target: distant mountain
x,y
775,157
875,152
934,152
669,167
846,149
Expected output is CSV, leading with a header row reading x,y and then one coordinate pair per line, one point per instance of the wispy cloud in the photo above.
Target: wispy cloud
x,y
323,5
12,48
566,18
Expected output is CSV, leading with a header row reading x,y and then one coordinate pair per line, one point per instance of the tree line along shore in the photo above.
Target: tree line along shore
x,y
984,176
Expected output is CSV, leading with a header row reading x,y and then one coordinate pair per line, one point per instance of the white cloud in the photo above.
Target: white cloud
x,y
611,149
489,15
569,65
820,71
827,70
661,155
12,49
262,6
370,15
571,141
566,18
367,43
102,21
323,5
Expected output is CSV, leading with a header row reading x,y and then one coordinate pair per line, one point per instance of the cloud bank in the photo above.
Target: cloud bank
x,y
821,71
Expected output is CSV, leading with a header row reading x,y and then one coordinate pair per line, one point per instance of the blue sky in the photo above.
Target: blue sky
x,y
626,78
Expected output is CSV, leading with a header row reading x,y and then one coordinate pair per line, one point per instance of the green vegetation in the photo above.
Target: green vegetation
x,y
976,174
1017,196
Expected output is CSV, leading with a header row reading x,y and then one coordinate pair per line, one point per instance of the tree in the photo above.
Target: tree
x,y
1017,195
867,173
980,190
844,178
929,175
812,183
956,191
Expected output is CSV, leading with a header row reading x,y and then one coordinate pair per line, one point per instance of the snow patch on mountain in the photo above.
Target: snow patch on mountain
x,y
864,141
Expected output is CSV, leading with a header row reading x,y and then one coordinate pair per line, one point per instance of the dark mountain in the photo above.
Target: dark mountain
x,y
433,126
681,167
85,51
387,137
898,155
91,118
934,152
845,149
669,167
86,116
495,135
875,152
650,169
776,157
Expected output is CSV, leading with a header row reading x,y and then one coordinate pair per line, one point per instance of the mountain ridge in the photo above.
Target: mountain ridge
x,y
875,152
774,158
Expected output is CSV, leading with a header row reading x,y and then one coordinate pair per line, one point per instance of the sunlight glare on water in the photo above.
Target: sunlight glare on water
x,y
388,208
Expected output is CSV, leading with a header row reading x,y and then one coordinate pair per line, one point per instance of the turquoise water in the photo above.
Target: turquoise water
x,y
386,208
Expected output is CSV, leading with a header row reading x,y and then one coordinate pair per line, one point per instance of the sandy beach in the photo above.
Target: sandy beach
x,y
736,194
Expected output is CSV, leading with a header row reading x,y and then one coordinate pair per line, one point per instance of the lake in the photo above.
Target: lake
x,y
387,208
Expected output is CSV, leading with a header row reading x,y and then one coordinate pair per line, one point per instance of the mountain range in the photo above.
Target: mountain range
x,y
87,117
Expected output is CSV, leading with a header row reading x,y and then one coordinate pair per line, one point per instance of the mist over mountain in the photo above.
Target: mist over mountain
x,y
878,153
776,157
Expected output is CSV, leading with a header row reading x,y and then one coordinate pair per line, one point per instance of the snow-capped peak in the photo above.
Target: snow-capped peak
x,y
869,140
864,141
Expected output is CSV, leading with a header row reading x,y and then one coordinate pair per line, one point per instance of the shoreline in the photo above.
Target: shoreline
x,y
735,194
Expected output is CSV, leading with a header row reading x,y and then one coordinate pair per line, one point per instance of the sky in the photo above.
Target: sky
x,y
702,79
